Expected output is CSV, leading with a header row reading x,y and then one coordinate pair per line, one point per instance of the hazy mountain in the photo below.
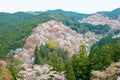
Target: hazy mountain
x,y
114,14
75,15
8,18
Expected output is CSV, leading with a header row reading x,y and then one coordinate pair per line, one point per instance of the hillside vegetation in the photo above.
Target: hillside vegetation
x,y
14,28
111,14
55,45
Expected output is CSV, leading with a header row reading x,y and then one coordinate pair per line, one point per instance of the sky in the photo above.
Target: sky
x,y
81,6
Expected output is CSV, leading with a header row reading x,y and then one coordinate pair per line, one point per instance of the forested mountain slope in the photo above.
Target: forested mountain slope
x,y
114,14
13,35
14,28
56,34
98,19
48,48
11,18
70,13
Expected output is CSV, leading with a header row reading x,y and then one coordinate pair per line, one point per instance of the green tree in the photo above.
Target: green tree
x,y
14,65
81,65
69,71
52,45
106,55
38,59
5,72
61,53
117,51
95,59
101,58
56,62
44,52
82,50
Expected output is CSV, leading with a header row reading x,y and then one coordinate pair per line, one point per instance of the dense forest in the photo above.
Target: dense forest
x,y
77,67
111,14
16,27
80,65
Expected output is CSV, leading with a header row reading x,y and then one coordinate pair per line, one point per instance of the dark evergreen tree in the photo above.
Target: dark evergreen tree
x,y
56,62
116,49
69,71
38,59
81,65
106,55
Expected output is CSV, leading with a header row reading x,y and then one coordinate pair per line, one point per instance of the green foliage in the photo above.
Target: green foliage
x,y
101,58
107,54
51,55
94,58
104,41
56,62
14,66
116,49
14,28
62,54
78,67
69,71
104,52
75,15
13,35
52,44
4,72
112,14
82,50
7,18
116,32
85,27
42,54
81,65
38,59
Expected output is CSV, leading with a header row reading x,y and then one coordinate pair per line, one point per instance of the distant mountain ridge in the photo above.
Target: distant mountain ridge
x,y
18,16
75,15
8,18
15,27
114,14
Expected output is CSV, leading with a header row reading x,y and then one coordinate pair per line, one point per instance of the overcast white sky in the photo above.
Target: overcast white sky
x,y
82,6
